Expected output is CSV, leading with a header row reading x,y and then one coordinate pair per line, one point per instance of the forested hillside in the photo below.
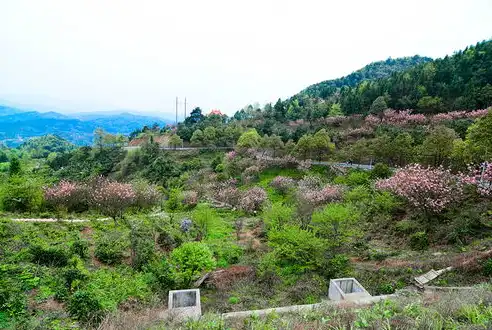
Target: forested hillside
x,y
462,81
376,70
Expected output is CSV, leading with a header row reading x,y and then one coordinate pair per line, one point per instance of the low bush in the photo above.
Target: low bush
x,y
21,194
380,171
358,178
111,247
57,256
190,260
86,307
162,274
225,252
419,241
278,215
80,247
487,267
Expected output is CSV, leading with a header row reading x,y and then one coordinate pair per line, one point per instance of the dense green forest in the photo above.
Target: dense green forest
x,y
373,71
271,203
462,81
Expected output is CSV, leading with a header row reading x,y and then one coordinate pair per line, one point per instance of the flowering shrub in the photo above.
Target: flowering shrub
x,y
231,155
406,117
310,182
316,197
252,200
432,189
481,178
65,194
146,195
304,165
251,173
282,184
189,198
227,194
112,198
186,225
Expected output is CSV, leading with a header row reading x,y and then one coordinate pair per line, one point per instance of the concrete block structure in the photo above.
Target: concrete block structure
x,y
346,289
185,304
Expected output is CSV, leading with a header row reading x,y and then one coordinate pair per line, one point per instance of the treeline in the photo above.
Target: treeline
x,y
462,81
375,70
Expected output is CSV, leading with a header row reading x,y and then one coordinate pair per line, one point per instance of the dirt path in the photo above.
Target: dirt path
x,y
54,220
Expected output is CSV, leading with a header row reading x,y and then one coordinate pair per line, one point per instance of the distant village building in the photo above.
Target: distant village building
x,y
216,112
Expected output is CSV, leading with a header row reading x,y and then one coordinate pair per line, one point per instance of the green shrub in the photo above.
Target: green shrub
x,y
86,307
113,286
487,267
358,178
173,202
386,288
233,300
380,171
336,266
336,223
294,250
358,195
49,256
21,194
419,241
278,215
162,274
73,277
80,247
225,252
190,260
143,251
406,226
383,203
111,247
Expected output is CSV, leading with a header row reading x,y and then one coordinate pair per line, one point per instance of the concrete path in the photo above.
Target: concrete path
x,y
54,220
302,308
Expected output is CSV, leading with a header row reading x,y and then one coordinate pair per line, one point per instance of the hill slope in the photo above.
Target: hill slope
x,y
371,71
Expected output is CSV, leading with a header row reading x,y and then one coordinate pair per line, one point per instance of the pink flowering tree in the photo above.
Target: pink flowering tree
x,y
319,196
65,195
282,184
429,189
481,178
112,198
252,200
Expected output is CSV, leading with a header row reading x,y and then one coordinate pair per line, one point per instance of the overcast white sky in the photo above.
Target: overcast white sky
x,y
90,55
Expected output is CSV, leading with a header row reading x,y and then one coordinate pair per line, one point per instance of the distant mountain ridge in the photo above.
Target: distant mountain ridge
x,y
17,125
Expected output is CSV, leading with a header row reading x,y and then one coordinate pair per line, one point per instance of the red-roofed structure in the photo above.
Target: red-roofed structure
x,y
215,112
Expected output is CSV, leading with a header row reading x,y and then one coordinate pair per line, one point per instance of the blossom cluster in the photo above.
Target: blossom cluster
x,y
481,178
231,155
112,198
432,189
407,118
286,161
282,184
252,200
319,196
65,194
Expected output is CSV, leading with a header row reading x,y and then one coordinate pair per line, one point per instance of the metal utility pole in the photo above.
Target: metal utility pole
x,y
185,107
176,111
